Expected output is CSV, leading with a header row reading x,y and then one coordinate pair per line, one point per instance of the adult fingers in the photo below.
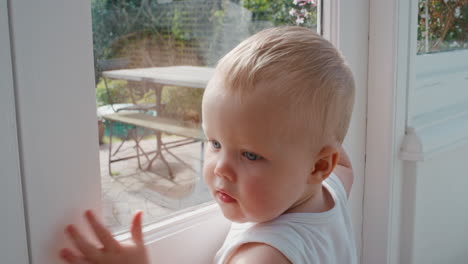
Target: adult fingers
x,y
101,232
136,229
86,248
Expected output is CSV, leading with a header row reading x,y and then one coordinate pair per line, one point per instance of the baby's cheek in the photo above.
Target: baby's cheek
x,y
208,168
262,184
261,204
256,190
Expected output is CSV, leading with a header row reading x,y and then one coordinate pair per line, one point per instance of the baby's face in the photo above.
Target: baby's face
x,y
253,170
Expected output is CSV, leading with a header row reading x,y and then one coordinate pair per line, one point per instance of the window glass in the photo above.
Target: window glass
x,y
149,106
442,25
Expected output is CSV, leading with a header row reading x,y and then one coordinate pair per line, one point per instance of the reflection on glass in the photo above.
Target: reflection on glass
x,y
139,36
442,25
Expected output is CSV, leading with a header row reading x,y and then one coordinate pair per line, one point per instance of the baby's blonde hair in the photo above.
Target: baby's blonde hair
x,y
304,69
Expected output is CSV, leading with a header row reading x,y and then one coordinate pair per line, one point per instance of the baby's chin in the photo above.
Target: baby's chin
x,y
240,219
234,217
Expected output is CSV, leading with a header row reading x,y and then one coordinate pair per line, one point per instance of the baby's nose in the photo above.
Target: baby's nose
x,y
225,169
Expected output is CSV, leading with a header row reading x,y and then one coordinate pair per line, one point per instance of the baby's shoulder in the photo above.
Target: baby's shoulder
x,y
287,239
257,253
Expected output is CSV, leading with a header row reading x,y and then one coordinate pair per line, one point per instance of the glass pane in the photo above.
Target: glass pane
x,y
442,25
149,107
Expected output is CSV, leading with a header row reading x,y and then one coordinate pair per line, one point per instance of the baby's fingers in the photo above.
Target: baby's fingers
x,y
136,231
88,250
71,258
102,233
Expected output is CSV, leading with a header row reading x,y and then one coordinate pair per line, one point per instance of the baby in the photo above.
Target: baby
x,y
275,115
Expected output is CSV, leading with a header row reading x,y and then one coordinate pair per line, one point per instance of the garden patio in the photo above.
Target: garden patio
x,y
131,188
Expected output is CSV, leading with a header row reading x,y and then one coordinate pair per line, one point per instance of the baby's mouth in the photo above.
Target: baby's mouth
x,y
224,197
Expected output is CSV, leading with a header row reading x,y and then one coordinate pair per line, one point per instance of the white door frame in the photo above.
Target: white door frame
x,y
56,101
13,246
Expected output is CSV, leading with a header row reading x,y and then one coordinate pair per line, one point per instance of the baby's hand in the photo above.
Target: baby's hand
x,y
111,252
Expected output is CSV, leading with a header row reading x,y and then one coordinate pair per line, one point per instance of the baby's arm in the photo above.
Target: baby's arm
x,y
111,251
344,171
257,253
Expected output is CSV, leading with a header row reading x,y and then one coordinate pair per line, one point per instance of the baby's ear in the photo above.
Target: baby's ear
x,y
324,164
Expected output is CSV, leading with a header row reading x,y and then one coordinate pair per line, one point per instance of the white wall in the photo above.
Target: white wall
x,y
440,227
13,246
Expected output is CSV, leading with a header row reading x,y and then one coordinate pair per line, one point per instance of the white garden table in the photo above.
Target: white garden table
x,y
184,76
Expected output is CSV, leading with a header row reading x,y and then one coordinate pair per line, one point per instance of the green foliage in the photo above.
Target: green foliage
x,y
116,21
117,89
447,25
183,103
277,11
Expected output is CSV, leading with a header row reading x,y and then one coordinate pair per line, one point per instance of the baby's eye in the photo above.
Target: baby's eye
x,y
251,156
215,144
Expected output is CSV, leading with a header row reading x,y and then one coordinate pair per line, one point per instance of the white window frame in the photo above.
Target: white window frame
x,y
392,141
440,81
438,101
437,104
70,168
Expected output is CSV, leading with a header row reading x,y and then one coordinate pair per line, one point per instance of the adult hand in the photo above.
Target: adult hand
x,y
111,251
